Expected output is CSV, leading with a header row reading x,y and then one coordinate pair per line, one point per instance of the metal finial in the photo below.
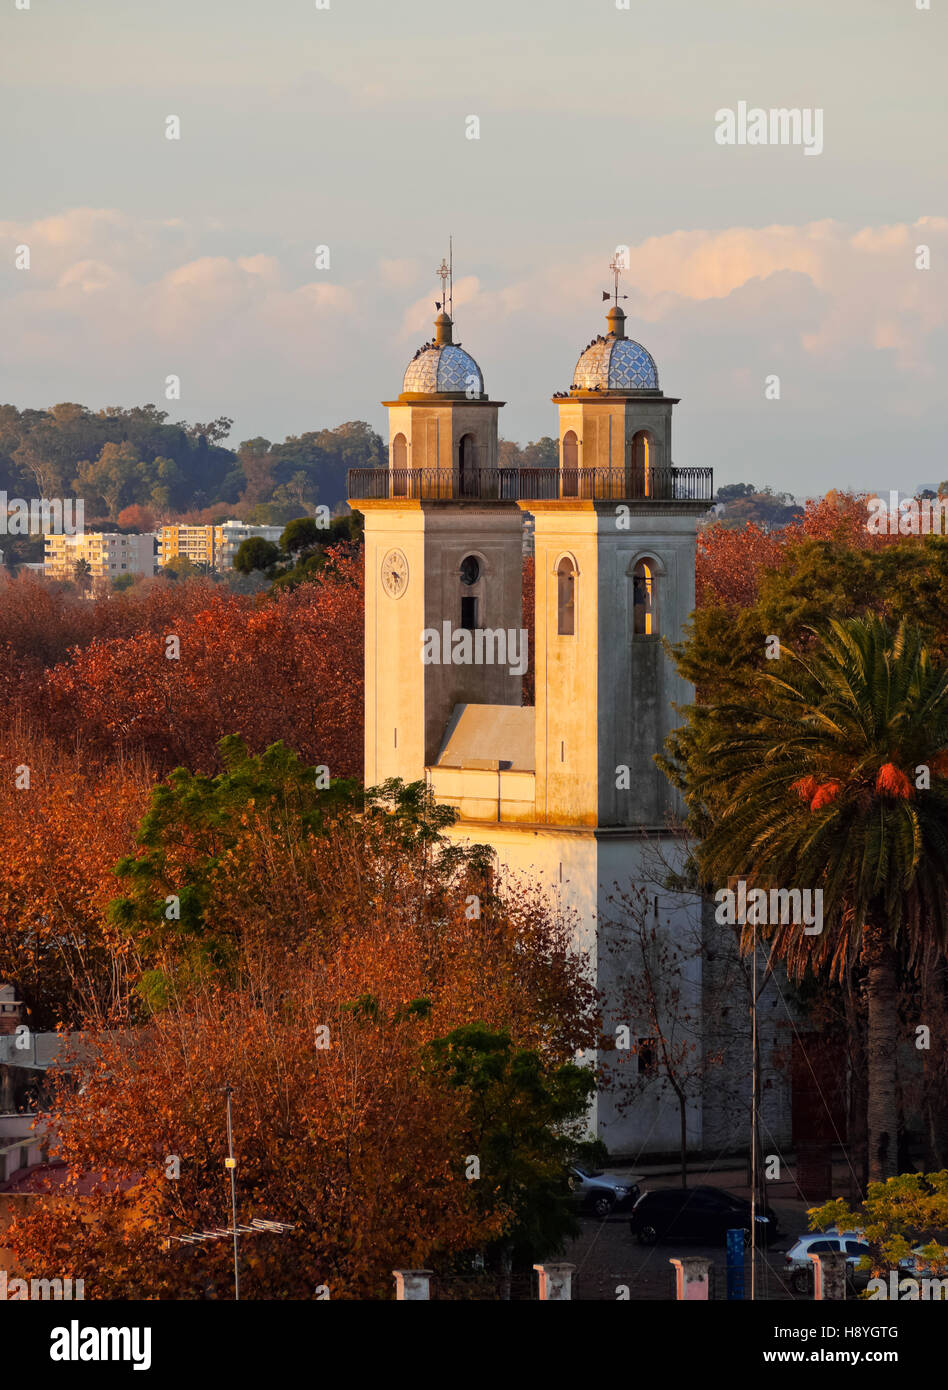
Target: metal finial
x,y
616,266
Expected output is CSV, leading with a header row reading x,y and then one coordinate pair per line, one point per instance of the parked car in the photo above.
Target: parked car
x,y
917,1263
800,1266
702,1214
602,1193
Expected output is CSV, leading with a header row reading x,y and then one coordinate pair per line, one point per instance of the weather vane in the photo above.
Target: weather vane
x,y
616,266
446,271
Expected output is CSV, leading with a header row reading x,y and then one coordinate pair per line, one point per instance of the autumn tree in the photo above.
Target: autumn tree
x,y
288,666
383,1007
64,821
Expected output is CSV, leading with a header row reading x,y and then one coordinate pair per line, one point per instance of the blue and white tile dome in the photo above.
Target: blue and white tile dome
x,y
615,364
446,367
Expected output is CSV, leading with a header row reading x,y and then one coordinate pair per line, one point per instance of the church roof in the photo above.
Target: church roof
x,y
615,362
442,367
490,736
436,368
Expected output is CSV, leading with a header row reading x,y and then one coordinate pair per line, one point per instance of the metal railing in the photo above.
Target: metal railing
x,y
533,484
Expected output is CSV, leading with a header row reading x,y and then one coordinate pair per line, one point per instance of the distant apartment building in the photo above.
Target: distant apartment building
x,y
212,547
108,554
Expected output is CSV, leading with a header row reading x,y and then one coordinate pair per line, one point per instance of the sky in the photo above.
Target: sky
x,y
347,127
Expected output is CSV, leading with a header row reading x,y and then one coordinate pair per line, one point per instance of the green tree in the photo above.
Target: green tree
x,y
114,476
732,491
180,567
302,534
543,453
817,782
526,1116
188,845
256,554
897,1215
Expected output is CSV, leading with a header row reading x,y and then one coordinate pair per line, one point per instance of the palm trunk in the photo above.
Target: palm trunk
x,y
856,1132
882,1110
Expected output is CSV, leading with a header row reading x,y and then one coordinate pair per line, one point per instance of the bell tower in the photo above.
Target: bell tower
x,y
566,791
615,562
443,559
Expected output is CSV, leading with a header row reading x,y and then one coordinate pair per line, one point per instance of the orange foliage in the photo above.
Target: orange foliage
x,y
59,840
805,788
286,667
137,518
349,1137
730,560
824,794
893,782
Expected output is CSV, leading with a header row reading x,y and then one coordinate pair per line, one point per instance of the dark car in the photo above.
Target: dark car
x,y
703,1214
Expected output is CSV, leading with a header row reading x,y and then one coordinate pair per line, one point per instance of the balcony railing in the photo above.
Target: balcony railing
x,y
533,484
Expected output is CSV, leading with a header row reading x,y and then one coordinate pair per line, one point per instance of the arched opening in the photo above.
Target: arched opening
x,y
643,461
470,573
565,598
570,470
644,608
467,478
399,466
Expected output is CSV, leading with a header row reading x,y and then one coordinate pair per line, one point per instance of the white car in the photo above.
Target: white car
x,y
800,1266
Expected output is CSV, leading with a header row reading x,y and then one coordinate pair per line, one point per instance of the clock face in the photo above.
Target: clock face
x,y
394,574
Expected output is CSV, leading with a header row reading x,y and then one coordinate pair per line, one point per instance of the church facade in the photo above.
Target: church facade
x,y
566,790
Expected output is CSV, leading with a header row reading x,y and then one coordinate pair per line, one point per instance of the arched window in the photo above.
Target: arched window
x,y
565,598
570,472
643,461
467,479
399,466
470,574
645,615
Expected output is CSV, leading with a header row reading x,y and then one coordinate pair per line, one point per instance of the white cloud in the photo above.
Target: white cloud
x,y
857,334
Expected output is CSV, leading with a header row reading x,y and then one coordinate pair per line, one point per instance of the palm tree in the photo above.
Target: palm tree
x,y
835,777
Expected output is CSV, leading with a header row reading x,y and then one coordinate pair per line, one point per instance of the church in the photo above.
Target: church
x,y
565,790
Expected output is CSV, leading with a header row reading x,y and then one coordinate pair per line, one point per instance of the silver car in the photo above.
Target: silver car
x,y
602,1193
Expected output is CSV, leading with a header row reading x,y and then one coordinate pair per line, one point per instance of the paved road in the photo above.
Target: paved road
x,y
609,1259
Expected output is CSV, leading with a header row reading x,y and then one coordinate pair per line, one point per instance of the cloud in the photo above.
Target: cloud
x,y
857,334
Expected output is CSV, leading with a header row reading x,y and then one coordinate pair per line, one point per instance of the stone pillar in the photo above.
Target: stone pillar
x,y
829,1275
412,1284
556,1282
692,1279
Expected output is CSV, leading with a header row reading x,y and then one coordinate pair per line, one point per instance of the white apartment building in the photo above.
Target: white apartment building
x,y
108,554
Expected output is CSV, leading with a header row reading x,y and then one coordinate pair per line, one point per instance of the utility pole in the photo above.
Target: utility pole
x,y
230,1163
754,1069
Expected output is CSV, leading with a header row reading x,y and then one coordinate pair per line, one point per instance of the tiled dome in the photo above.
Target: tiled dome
x,y
615,364
436,368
